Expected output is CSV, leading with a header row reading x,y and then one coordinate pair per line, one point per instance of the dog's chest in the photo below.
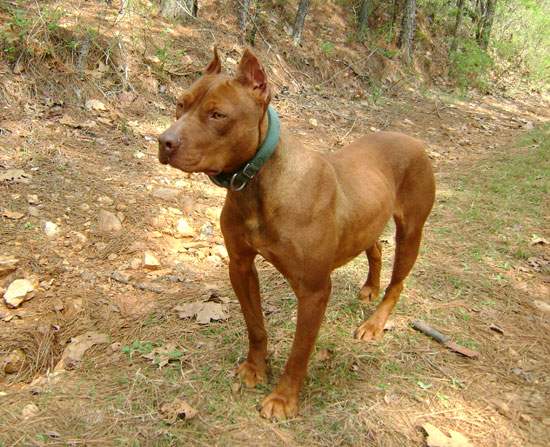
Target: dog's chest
x,y
257,235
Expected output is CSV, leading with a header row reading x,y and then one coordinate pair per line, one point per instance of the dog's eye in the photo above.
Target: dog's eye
x,y
215,115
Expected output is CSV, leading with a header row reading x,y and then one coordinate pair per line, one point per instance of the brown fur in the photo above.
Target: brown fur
x,y
305,212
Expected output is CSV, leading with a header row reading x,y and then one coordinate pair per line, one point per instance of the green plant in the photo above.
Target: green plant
x,y
327,48
470,66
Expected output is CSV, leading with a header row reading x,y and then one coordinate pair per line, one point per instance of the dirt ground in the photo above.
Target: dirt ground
x,y
483,277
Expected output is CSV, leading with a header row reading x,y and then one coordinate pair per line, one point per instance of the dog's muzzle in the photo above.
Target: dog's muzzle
x,y
168,144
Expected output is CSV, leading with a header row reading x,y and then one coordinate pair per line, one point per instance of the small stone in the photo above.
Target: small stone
x,y
221,251
214,259
84,207
34,211
135,263
32,199
8,264
95,104
30,411
51,229
115,347
150,261
166,193
57,305
18,291
213,213
112,257
231,61
184,229
14,361
105,201
81,237
542,306
313,122
207,231
108,222
525,418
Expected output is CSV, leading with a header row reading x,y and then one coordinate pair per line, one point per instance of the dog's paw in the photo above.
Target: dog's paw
x,y
368,294
279,407
251,375
370,330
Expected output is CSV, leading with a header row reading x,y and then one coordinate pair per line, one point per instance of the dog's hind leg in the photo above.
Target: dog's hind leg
x,y
371,288
407,243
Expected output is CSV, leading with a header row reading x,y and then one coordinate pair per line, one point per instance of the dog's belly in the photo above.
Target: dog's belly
x,y
359,236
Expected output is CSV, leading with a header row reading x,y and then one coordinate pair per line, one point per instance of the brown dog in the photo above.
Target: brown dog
x,y
307,213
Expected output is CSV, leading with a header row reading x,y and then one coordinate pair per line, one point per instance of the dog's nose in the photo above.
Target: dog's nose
x,y
168,142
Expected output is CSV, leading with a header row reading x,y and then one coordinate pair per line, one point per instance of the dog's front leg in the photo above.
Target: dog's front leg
x,y
282,403
244,279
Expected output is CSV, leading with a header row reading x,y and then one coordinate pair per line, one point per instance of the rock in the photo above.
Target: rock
x,y
51,229
166,193
94,104
57,305
214,259
213,213
221,251
84,207
542,306
150,261
8,264
30,411
184,229
313,122
18,291
32,199
34,211
14,361
108,222
105,201
207,231
135,263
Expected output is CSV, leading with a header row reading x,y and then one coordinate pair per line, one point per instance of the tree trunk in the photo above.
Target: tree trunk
x,y
244,8
299,21
363,22
408,26
458,21
487,24
394,14
178,9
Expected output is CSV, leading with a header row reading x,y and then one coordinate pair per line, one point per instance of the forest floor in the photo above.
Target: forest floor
x,y
482,277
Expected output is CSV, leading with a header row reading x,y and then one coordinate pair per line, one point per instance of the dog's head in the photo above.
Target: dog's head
x,y
218,119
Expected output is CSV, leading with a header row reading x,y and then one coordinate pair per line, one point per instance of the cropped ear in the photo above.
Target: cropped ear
x,y
250,73
215,65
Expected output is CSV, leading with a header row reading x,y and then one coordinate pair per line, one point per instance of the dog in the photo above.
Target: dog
x,y
305,212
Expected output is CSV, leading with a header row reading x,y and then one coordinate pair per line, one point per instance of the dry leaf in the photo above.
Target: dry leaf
x,y
163,354
537,240
205,312
436,438
177,409
14,175
12,214
73,353
324,354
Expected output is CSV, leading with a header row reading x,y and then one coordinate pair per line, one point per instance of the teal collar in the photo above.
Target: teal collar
x,y
237,180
